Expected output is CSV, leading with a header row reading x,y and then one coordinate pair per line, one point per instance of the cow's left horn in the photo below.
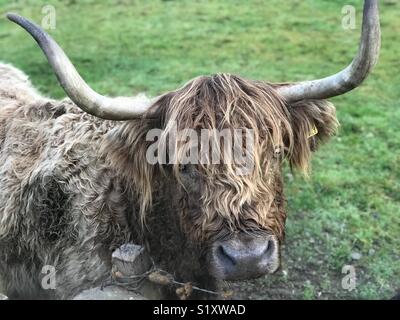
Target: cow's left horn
x,y
120,108
351,77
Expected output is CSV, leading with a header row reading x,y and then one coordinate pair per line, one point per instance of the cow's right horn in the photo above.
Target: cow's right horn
x,y
352,76
120,108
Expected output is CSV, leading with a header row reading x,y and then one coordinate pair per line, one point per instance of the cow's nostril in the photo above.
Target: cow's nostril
x,y
269,248
224,256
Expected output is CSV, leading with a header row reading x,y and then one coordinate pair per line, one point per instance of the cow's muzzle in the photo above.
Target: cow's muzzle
x,y
245,257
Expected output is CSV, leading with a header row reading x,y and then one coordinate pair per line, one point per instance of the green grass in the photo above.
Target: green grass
x,y
351,203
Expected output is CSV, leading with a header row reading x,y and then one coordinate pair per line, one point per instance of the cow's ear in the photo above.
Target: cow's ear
x,y
313,122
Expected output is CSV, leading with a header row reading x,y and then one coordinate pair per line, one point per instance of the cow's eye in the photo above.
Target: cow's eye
x,y
184,168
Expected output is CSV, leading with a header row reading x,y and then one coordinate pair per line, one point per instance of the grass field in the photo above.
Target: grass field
x,y
350,206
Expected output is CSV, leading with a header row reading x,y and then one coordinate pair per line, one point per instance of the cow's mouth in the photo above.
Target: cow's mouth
x,y
244,257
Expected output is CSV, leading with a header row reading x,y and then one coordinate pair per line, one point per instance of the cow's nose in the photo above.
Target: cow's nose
x,y
245,257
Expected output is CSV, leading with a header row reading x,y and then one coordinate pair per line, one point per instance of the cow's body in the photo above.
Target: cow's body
x,y
60,203
48,151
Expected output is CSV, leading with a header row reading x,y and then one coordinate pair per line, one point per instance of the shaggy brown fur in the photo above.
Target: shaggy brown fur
x,y
73,188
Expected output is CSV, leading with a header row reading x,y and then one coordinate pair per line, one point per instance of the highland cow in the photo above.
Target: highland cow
x,y
75,183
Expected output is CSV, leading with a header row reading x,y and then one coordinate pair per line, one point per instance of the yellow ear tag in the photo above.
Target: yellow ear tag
x,y
314,132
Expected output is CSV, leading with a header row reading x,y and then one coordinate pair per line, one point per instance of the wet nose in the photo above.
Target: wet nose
x,y
247,258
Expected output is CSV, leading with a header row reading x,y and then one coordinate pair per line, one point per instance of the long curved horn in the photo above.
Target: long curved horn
x,y
351,77
121,108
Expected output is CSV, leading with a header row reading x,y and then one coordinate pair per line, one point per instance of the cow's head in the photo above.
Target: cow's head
x,y
238,217
234,206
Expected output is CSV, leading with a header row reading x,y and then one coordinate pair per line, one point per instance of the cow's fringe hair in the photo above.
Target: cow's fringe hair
x,y
225,101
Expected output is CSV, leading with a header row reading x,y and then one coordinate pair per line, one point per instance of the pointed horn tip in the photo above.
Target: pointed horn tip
x,y
12,16
16,18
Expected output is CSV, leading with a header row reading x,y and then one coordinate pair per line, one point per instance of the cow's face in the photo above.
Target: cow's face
x,y
236,211
239,220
